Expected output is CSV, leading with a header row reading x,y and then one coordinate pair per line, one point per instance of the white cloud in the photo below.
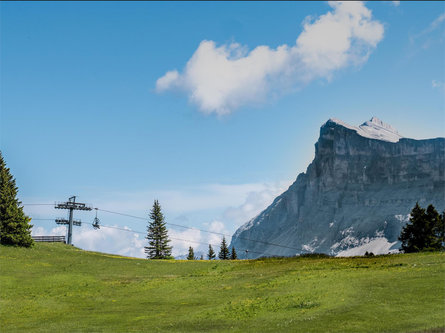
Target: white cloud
x,y
167,80
181,240
255,202
176,201
111,240
215,239
225,206
107,240
40,231
57,231
338,39
127,243
199,240
219,79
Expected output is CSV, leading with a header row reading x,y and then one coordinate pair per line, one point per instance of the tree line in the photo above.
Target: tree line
x,y
158,240
224,252
425,230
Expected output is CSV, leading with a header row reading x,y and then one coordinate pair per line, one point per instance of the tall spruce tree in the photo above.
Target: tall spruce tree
x,y
439,231
191,255
14,224
224,251
233,255
424,231
433,224
157,235
412,233
211,254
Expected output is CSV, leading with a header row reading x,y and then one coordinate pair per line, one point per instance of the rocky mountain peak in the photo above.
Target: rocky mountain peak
x,y
372,129
379,123
354,197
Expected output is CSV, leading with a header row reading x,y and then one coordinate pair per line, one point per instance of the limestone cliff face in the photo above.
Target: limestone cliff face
x,y
355,196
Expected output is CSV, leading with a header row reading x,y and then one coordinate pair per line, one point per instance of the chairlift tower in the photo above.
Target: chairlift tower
x,y
71,205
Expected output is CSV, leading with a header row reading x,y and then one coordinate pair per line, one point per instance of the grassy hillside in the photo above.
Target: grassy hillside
x,y
54,287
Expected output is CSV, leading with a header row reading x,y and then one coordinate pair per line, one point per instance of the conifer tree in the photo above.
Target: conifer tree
x,y
224,251
233,255
424,231
433,223
202,257
439,230
191,255
14,224
157,235
411,235
211,254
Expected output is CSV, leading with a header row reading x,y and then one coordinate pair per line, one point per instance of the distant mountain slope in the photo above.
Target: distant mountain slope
x,y
355,195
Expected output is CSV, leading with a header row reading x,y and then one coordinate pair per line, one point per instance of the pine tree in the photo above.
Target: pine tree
x,y
191,255
14,224
412,233
439,230
233,255
432,234
424,231
211,254
224,251
202,257
157,235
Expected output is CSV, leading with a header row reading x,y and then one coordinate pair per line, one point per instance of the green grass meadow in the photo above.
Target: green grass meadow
x,y
58,288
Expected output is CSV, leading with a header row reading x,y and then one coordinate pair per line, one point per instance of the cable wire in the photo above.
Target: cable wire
x,y
197,229
181,239
37,204
208,231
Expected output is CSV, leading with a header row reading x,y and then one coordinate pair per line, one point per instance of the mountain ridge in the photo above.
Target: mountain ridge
x,y
373,129
358,190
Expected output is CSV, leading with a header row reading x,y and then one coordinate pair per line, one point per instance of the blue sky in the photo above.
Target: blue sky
x,y
88,107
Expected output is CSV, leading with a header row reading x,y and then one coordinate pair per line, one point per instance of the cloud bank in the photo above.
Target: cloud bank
x,y
107,240
220,79
221,207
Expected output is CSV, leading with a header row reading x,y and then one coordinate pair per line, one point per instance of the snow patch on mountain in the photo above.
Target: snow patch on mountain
x,y
373,129
349,241
402,218
379,245
311,247
353,246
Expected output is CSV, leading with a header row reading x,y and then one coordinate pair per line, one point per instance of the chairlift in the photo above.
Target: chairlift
x,y
96,221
